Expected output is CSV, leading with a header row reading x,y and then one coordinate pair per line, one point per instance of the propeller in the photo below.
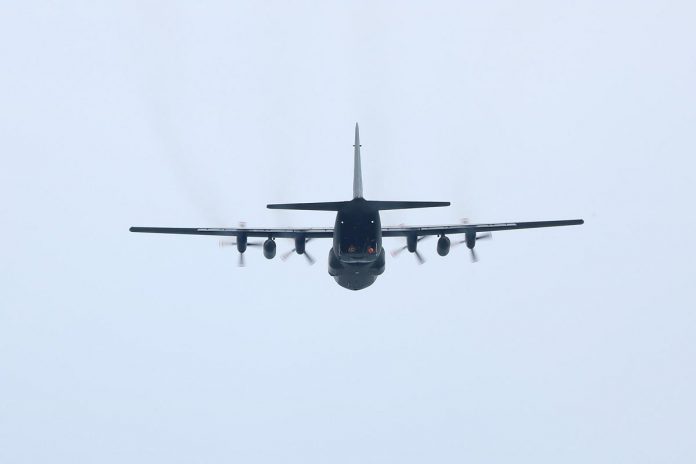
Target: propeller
x,y
240,244
229,243
310,259
483,236
396,252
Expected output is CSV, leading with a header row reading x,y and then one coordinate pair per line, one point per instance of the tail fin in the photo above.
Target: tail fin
x,y
357,168
358,195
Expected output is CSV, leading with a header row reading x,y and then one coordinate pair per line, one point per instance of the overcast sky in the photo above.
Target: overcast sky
x,y
569,345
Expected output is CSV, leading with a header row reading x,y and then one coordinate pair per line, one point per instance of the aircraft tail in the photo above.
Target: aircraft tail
x,y
358,198
357,167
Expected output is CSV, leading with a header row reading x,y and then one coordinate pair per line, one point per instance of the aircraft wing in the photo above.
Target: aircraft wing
x,y
404,231
325,232
286,232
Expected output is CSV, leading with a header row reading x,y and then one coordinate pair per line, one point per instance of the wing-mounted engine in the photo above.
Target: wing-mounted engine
x,y
470,238
412,246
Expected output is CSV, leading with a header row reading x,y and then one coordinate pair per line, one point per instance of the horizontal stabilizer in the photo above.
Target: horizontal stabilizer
x,y
359,203
384,205
321,206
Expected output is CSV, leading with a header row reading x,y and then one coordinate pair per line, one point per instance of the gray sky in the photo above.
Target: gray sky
x,y
566,345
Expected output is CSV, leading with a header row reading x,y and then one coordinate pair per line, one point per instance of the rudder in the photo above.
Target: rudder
x,y
357,166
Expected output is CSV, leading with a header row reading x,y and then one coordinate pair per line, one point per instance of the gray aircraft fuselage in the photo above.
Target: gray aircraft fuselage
x,y
357,257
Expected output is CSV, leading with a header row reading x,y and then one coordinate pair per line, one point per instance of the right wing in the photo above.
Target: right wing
x,y
285,232
404,231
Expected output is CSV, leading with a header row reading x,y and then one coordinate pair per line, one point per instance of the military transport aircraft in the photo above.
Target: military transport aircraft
x,y
357,257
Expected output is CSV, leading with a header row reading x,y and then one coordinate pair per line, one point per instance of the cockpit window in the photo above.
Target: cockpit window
x,y
356,246
359,237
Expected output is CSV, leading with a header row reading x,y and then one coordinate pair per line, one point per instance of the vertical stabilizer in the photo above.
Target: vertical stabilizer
x,y
357,169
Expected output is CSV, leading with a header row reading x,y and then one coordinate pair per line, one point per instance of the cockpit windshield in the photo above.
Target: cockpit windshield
x,y
359,237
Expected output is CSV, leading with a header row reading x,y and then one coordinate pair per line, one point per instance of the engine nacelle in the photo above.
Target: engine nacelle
x,y
241,243
269,248
300,245
443,246
470,240
412,243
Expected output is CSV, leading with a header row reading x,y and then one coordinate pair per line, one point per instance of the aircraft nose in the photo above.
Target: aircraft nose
x,y
358,257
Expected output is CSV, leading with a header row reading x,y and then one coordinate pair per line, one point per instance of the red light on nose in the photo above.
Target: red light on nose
x,y
371,250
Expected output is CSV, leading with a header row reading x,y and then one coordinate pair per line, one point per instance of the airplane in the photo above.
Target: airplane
x,y
357,257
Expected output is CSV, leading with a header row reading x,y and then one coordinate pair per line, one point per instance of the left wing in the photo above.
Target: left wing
x,y
311,232
404,231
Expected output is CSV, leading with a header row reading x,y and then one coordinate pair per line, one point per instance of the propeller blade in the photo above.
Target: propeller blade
x,y
226,243
419,257
483,236
241,260
309,257
254,244
287,254
474,258
398,251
